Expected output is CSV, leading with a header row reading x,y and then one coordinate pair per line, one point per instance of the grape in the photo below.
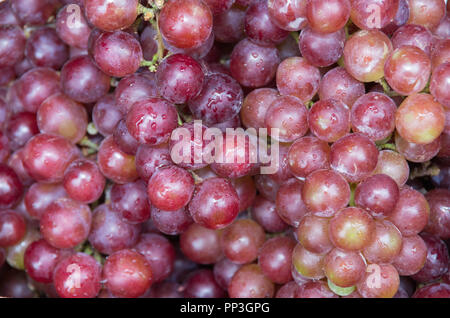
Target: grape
x,y
16,163
440,84
400,19
246,191
215,203
35,86
40,195
34,12
289,115
130,201
82,81
413,35
109,233
265,213
200,244
255,106
417,152
170,188
407,70
308,154
106,115
44,48
12,50
412,256
74,32
288,290
201,284
151,120
411,212
164,290
60,115
219,100
173,222
250,282
328,16
354,156
151,158
288,15
77,276
275,259
114,163
15,253
185,24
219,6
190,151
308,264
438,222
46,157
443,29
124,140
40,260
343,268
373,115
11,187
159,253
435,290
385,245
379,281
373,14
117,53
440,53
21,127
313,234
148,42
12,228
259,26
66,223
351,229
253,65
127,274
420,119
298,78
229,25
338,84
224,271
427,13
83,181
241,241
179,78
437,260
111,15
321,49
7,16
365,54
289,202
314,289
325,192
329,119
134,88
378,194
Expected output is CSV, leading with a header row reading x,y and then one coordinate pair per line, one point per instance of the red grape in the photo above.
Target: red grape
x,y
343,268
385,245
111,15
328,16
250,282
275,259
313,234
200,244
289,202
288,15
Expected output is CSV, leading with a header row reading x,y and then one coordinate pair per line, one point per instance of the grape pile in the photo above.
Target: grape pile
x,y
354,96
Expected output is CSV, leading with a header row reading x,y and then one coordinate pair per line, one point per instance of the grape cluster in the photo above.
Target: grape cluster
x,y
354,96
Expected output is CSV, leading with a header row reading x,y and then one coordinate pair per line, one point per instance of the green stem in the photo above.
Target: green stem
x,y
387,89
148,13
85,142
295,36
388,146
91,129
309,104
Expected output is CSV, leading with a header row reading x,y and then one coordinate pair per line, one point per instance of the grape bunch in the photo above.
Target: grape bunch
x,y
100,98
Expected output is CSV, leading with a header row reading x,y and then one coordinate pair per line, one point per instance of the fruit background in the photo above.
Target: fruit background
x,y
356,94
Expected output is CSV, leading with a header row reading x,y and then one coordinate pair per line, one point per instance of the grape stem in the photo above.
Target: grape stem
x,y
148,13
425,170
91,129
387,89
85,142
295,36
388,146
